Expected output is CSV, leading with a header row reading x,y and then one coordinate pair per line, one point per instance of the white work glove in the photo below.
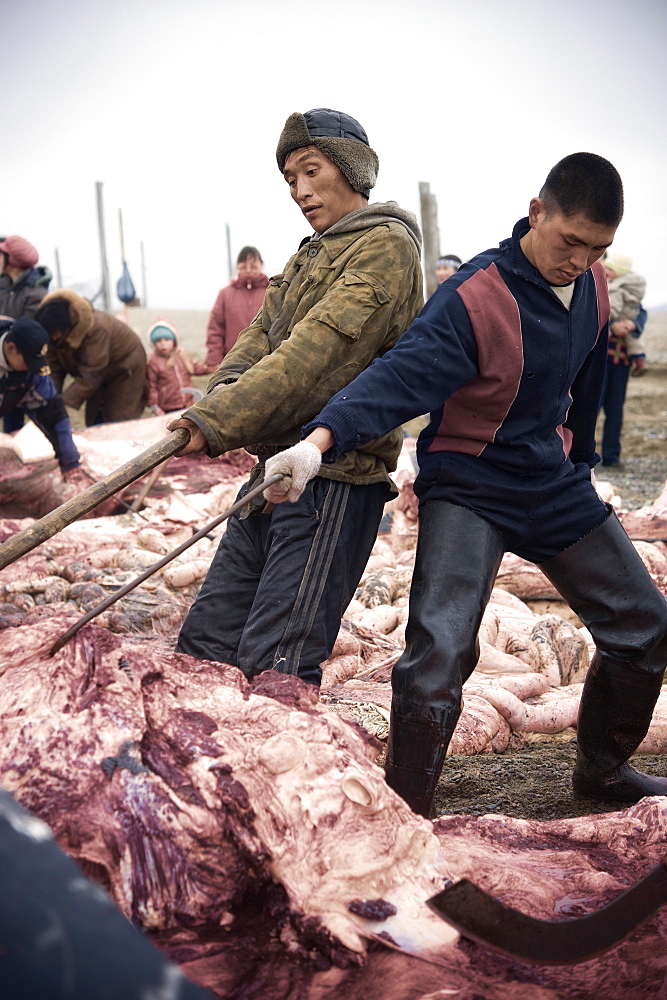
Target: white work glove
x,y
299,464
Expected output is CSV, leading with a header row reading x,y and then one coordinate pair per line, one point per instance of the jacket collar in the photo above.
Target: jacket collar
x,y
375,214
515,260
254,281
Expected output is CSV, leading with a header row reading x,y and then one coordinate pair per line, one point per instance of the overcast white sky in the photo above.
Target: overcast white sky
x,y
177,108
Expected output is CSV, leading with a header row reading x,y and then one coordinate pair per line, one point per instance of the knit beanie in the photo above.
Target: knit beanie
x,y
162,329
19,252
617,263
338,136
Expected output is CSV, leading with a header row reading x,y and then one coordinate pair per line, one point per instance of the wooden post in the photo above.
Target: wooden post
x,y
122,237
144,294
230,268
106,296
429,214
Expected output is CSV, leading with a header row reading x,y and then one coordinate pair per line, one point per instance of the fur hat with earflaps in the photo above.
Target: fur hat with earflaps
x,y
338,136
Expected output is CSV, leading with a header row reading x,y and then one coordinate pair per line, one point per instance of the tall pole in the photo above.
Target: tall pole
x,y
122,236
429,214
59,277
230,270
106,296
144,294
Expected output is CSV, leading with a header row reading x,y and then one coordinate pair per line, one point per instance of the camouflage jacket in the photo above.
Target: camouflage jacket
x,y
343,300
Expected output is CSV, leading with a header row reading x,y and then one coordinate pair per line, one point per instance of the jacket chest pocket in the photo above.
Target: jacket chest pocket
x,y
353,304
274,296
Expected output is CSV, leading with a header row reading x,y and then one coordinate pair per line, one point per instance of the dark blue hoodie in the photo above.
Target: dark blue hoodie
x,y
510,376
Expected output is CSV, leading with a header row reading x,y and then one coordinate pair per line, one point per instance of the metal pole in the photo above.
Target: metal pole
x,y
106,296
59,277
230,269
144,297
122,238
429,214
202,533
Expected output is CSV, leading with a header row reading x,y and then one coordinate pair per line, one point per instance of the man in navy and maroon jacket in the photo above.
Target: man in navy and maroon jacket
x,y
508,356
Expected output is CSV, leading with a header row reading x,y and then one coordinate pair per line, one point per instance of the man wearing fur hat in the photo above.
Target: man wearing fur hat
x,y
104,356
23,285
283,576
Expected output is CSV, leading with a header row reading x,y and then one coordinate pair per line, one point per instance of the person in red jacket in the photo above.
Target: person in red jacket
x,y
169,369
236,306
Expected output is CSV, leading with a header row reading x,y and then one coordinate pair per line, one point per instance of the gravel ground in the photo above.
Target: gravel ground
x,y
530,780
638,480
642,472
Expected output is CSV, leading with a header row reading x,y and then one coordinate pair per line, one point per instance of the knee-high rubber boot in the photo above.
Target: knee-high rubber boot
x,y
603,579
614,717
415,754
458,555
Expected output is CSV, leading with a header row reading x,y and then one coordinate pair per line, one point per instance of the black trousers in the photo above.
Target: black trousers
x,y
280,581
458,556
612,402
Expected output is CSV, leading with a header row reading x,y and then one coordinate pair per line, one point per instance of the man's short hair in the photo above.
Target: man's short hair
x,y
54,316
246,252
586,183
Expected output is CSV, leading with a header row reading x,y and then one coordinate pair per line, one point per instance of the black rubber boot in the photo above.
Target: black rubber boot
x,y
458,554
614,717
415,755
603,579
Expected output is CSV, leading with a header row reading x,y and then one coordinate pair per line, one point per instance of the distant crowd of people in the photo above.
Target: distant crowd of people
x,y
56,334
47,336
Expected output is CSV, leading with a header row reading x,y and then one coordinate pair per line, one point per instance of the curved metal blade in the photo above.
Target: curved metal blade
x,y
484,919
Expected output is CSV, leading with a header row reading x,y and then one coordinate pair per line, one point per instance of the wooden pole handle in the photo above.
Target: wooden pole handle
x,y
83,502
126,588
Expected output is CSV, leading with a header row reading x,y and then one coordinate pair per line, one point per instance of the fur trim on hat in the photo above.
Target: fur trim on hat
x,y
357,161
80,314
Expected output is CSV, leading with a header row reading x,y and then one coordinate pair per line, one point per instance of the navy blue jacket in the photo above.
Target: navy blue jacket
x,y
37,396
510,376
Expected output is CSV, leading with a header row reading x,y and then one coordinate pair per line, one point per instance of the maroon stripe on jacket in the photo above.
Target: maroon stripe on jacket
x,y
602,293
565,434
474,413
